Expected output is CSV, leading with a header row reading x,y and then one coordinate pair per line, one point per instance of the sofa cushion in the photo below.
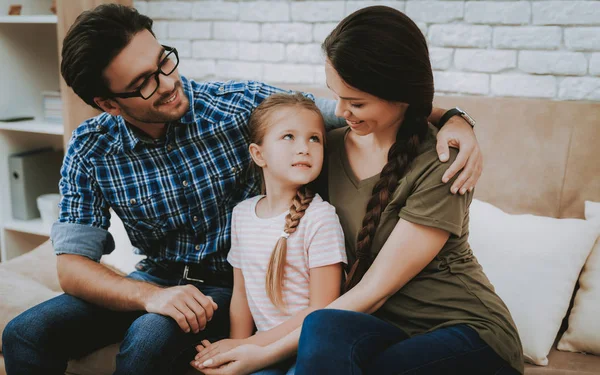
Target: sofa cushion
x,y
19,293
583,334
565,363
38,265
533,263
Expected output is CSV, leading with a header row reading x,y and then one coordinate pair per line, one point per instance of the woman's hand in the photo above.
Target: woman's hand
x,y
459,134
207,350
244,359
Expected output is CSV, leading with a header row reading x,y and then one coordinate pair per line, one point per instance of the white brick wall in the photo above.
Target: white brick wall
x,y
524,85
595,64
541,49
485,60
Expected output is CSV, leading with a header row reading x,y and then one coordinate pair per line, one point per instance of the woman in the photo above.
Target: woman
x,y
417,300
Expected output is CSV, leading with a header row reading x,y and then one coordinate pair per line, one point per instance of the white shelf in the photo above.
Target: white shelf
x,y
29,19
34,126
33,226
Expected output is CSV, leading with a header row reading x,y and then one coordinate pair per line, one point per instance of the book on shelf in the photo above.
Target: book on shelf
x,y
52,106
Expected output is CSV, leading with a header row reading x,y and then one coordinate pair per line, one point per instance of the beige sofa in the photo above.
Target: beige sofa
x,y
541,157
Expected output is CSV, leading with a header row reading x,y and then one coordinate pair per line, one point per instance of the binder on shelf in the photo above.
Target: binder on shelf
x,y
32,173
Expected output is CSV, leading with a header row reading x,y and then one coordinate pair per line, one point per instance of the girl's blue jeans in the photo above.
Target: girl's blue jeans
x,y
346,342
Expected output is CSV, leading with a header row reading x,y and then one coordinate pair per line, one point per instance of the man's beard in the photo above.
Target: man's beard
x,y
156,116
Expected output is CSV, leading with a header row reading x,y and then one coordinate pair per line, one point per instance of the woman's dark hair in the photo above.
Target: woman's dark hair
x,y
95,38
380,51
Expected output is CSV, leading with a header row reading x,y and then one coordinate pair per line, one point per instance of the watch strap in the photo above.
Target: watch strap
x,y
447,115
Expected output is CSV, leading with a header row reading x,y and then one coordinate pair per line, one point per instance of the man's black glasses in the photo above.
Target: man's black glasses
x,y
166,66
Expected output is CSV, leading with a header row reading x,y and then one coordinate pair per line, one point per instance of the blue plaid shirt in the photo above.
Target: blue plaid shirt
x,y
175,195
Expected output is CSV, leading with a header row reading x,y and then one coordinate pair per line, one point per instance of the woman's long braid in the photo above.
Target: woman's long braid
x,y
276,268
412,131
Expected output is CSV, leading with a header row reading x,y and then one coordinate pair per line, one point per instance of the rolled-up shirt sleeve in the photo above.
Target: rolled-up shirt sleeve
x,y
78,239
82,226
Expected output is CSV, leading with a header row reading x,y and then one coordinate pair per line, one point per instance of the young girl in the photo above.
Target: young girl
x,y
287,246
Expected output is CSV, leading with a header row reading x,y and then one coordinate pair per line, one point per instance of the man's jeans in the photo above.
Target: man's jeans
x,y
346,342
42,339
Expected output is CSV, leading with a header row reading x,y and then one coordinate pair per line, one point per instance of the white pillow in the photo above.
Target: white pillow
x,y
533,263
122,258
583,334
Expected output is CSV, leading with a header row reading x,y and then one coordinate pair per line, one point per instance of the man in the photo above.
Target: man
x,y
169,156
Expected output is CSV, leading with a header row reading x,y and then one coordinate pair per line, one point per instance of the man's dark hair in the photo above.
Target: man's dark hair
x,y
96,37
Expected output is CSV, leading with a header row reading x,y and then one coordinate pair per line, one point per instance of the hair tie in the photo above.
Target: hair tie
x,y
285,235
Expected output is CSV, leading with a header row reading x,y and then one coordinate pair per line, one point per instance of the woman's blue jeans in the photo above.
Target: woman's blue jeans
x,y
42,339
346,342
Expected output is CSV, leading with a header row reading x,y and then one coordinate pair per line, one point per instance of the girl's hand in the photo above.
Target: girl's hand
x,y
243,360
206,350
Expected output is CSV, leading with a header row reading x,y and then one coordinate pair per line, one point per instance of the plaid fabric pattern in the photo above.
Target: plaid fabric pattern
x,y
175,195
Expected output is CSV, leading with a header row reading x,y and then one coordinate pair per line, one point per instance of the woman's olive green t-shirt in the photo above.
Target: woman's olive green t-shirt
x,y
450,290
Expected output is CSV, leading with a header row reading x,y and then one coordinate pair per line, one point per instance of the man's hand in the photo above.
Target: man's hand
x,y
459,134
206,350
185,304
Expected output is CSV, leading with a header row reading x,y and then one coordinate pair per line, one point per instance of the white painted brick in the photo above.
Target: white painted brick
x,y
434,11
566,12
265,11
322,30
441,58
595,64
189,30
320,78
216,10
488,61
460,35
184,47
305,53
423,28
287,32
289,73
141,6
249,51
502,12
169,10
580,88
161,29
236,31
553,62
583,38
317,11
532,37
522,85
353,6
197,69
272,52
239,70
212,49
464,83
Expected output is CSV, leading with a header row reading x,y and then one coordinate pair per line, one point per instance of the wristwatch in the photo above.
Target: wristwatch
x,y
454,112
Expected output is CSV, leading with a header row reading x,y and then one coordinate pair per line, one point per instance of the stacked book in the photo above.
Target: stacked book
x,y
52,106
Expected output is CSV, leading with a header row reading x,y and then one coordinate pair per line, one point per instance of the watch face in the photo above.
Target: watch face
x,y
466,116
469,119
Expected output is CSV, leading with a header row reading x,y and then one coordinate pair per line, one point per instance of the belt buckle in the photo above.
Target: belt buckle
x,y
186,270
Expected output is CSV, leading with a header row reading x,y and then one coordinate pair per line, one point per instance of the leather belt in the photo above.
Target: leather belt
x,y
197,273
